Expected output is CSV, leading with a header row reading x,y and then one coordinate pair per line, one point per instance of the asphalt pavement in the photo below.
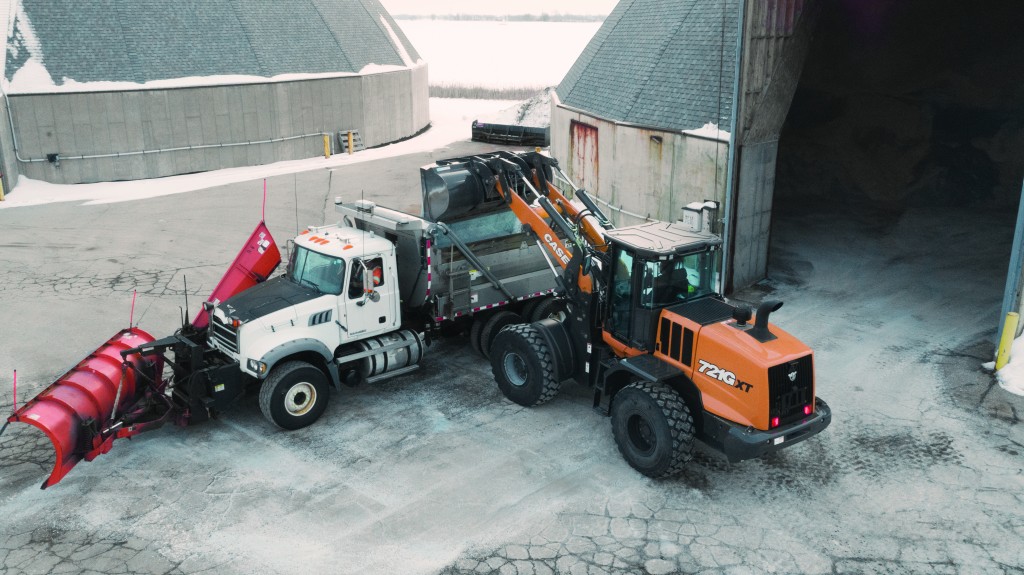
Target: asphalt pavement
x,y
435,472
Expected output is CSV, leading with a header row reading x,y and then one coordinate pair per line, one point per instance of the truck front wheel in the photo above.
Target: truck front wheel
x,y
294,395
653,428
523,366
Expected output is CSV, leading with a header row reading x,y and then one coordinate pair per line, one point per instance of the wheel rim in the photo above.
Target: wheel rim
x,y
300,399
515,369
641,434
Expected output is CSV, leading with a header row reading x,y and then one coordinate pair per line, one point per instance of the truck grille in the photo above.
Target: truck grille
x,y
225,336
788,397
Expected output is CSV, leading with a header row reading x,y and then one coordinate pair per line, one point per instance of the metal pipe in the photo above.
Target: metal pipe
x,y
178,149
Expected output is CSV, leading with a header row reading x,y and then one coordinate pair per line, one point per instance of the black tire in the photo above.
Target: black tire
x,y
653,428
474,333
523,366
549,307
493,326
529,306
294,395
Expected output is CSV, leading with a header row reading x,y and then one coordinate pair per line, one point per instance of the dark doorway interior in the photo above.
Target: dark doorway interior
x,y
909,103
900,166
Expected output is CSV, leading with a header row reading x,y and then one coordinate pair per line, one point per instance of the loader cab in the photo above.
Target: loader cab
x,y
655,266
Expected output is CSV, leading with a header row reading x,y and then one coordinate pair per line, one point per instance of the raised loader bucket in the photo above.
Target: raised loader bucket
x,y
253,264
73,410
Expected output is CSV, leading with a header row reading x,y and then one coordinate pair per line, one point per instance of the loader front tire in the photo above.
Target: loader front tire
x,y
523,366
653,428
294,395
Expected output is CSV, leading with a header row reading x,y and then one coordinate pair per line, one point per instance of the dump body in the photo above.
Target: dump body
x,y
480,261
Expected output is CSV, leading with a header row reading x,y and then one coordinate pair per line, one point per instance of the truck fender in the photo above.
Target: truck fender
x,y
556,336
303,346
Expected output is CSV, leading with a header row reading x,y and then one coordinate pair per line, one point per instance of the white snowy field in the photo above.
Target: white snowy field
x,y
498,54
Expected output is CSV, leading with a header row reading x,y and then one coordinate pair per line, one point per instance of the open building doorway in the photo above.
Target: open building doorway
x,y
900,165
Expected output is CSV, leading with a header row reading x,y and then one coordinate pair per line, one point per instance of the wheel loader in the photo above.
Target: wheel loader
x,y
667,357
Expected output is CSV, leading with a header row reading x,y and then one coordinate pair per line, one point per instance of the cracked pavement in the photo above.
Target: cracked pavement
x,y
920,471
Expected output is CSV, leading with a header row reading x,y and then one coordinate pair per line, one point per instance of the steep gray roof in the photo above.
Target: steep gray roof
x,y
143,40
659,63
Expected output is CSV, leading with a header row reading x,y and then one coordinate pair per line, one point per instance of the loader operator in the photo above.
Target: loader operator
x,y
670,285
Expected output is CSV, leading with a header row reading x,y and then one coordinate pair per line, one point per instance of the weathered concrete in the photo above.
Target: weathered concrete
x,y
647,172
384,107
920,472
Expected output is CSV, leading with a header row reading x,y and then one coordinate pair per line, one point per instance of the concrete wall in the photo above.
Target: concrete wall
x,y
643,172
384,107
775,45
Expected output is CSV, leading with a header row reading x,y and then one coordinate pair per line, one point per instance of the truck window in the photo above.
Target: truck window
x,y
316,270
357,287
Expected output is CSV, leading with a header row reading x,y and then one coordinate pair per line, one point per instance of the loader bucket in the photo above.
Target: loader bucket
x,y
258,259
81,402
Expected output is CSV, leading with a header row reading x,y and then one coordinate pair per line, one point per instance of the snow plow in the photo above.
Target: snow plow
x,y
119,390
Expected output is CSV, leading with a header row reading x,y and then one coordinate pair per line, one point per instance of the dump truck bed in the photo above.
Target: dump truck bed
x,y
446,271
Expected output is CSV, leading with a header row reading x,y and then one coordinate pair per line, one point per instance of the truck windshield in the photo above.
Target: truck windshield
x,y
682,279
321,272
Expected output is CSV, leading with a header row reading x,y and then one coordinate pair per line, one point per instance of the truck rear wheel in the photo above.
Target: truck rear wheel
x,y
493,326
549,308
523,366
653,428
474,334
294,395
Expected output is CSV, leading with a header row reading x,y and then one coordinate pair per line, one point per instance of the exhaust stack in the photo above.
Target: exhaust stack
x,y
760,330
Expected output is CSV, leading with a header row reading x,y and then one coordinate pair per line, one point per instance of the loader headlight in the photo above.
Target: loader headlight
x,y
257,366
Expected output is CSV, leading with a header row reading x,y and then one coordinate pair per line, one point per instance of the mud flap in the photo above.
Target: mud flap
x,y
71,410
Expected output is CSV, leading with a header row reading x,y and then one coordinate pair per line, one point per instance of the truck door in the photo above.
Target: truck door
x,y
371,298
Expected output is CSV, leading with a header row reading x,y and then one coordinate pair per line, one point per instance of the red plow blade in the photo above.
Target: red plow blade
x,y
73,410
253,264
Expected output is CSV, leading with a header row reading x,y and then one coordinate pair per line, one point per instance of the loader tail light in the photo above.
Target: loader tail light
x,y
235,322
808,410
775,422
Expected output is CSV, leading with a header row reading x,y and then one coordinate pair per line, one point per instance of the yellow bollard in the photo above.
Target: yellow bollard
x,y
350,142
1,187
1006,341
327,147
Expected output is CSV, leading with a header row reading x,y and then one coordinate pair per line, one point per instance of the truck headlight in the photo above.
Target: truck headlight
x,y
257,366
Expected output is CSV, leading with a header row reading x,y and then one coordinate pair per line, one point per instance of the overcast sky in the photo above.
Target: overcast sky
x,y
499,6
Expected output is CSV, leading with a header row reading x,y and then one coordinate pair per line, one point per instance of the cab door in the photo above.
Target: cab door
x,y
371,296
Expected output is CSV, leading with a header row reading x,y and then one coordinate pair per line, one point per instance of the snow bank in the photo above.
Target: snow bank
x,y
1011,377
710,130
451,121
535,112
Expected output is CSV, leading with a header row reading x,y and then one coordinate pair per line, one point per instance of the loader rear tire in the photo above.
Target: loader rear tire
x,y
653,428
294,395
523,366
493,326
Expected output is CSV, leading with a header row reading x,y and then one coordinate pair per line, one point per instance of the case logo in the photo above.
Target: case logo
x,y
725,376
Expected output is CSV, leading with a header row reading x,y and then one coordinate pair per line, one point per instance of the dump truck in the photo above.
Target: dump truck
x,y
357,303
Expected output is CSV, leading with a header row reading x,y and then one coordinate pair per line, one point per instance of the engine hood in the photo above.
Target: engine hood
x,y
266,298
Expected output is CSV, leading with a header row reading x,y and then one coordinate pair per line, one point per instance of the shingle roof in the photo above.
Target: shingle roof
x,y
662,63
143,40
